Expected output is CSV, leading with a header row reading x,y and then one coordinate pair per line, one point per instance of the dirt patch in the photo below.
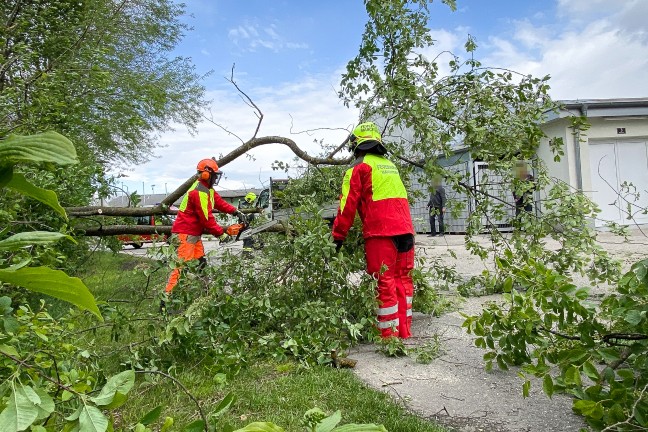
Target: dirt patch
x,y
455,390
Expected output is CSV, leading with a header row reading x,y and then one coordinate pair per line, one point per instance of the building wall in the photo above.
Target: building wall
x,y
618,157
557,169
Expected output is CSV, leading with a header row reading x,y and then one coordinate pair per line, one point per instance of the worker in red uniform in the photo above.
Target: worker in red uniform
x,y
372,187
195,216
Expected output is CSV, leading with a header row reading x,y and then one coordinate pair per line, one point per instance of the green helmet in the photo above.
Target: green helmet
x,y
366,137
250,197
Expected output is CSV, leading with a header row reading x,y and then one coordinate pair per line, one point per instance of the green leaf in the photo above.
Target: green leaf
x,y
640,416
261,427
633,317
44,147
118,400
92,419
75,415
224,405
589,408
5,305
151,416
609,354
46,405
547,385
66,395
54,283
572,375
591,371
19,413
451,3
508,285
121,383
30,238
19,183
616,414
168,422
8,349
526,388
327,424
21,264
6,171
196,426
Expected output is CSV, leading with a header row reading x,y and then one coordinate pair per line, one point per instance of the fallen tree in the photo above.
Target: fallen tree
x,y
546,323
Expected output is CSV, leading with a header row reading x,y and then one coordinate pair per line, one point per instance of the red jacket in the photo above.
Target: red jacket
x,y
195,212
373,188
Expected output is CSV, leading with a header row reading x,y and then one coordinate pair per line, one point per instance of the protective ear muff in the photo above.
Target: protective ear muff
x,y
205,175
353,140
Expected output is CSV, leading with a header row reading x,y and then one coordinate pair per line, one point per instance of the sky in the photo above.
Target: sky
x,y
288,57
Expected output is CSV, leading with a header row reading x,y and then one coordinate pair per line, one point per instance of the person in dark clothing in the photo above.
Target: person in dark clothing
x,y
436,207
523,192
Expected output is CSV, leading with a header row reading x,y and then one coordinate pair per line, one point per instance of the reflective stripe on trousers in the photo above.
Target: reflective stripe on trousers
x,y
391,324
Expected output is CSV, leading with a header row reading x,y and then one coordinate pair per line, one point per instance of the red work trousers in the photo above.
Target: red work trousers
x,y
391,265
191,248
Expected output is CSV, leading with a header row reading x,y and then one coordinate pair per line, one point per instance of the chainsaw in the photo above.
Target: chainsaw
x,y
235,230
242,230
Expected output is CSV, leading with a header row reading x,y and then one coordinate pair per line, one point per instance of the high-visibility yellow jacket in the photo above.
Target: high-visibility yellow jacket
x,y
372,187
195,212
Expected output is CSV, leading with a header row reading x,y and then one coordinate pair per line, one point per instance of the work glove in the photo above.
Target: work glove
x,y
225,238
242,217
338,245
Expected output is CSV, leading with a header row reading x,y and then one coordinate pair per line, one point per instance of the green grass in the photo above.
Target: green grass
x,y
280,393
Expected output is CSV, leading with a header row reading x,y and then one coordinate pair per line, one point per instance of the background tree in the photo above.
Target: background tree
x,y
99,72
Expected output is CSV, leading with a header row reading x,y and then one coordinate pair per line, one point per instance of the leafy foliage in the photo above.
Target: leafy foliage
x,y
52,148
597,353
101,73
98,72
50,379
495,115
293,299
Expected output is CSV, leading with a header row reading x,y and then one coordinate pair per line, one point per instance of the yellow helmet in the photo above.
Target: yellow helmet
x,y
250,197
366,136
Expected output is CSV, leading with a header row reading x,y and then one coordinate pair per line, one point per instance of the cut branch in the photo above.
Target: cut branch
x,y
163,207
112,230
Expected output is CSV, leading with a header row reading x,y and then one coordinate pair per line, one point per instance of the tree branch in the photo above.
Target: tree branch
x,y
43,375
111,230
248,101
163,207
187,392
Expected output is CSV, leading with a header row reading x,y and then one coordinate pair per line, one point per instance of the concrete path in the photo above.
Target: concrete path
x,y
455,390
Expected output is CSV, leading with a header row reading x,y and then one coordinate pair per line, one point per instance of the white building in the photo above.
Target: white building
x,y
599,160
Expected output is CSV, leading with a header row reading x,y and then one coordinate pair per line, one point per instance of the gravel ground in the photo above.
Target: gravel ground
x,y
455,389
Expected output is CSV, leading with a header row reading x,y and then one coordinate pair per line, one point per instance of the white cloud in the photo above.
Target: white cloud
x,y
312,103
597,49
252,36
